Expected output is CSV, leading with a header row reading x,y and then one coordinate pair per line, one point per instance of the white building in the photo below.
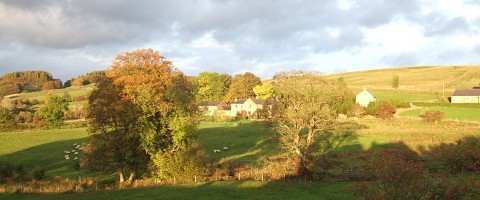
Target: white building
x,y
364,98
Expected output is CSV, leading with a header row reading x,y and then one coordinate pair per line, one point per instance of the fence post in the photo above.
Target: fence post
x,y
195,178
262,177
174,180
239,178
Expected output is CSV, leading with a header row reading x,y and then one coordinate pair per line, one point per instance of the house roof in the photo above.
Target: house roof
x,y
210,103
365,93
472,92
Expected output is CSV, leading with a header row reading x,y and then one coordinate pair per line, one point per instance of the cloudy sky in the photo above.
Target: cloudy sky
x,y
73,37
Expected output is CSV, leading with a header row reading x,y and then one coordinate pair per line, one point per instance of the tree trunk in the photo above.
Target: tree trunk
x,y
122,178
133,176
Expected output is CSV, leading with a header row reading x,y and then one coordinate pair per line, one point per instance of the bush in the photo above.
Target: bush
x,y
38,173
6,172
433,116
183,165
385,111
371,109
356,111
20,173
455,158
394,177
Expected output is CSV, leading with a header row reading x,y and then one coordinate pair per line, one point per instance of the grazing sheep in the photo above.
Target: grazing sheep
x,y
73,150
67,158
225,148
66,152
76,153
75,144
216,151
76,158
78,146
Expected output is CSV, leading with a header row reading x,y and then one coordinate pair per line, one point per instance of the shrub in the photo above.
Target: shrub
x,y
19,173
385,111
38,173
356,110
183,165
371,109
394,177
433,116
6,172
455,158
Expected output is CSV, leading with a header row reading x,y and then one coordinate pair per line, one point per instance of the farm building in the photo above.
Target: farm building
x,y
364,98
250,106
210,107
466,96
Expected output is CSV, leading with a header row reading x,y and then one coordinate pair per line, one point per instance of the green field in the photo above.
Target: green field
x,y
213,190
462,114
42,95
42,148
247,143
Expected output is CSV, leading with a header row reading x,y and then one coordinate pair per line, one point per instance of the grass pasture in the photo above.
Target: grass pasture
x,y
213,190
43,148
42,95
451,113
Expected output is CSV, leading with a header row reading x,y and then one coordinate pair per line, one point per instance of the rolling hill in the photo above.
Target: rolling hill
x,y
428,79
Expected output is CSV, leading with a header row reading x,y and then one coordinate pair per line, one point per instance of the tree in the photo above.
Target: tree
x,y
53,112
50,85
306,117
242,86
395,81
8,120
211,86
142,111
264,91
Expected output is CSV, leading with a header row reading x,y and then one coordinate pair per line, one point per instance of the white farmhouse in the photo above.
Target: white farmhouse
x,y
364,98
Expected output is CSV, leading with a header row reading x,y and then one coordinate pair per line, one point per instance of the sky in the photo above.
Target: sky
x,y
73,37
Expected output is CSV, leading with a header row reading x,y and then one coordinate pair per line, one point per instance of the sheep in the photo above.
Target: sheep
x,y
78,146
76,153
75,144
76,158
225,148
67,158
66,152
73,150
216,151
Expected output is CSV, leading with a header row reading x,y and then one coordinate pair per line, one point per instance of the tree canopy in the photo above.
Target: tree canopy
x,y
264,91
242,86
211,86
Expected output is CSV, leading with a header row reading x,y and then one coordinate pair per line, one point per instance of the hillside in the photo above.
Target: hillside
x,y
416,79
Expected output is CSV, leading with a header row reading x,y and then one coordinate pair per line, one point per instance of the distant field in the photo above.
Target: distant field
x,y
426,79
400,95
42,95
214,190
463,114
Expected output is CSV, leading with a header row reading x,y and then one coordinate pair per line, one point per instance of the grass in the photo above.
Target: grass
x,y
214,190
423,79
245,143
42,148
462,114
42,95
376,134
399,95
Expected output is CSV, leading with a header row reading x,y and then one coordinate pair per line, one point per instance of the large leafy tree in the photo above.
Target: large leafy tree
x,y
242,86
211,86
306,117
142,110
8,120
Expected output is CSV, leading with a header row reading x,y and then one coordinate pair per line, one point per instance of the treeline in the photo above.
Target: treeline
x,y
86,79
16,82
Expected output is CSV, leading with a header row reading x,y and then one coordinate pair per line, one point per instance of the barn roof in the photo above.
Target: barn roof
x,y
471,92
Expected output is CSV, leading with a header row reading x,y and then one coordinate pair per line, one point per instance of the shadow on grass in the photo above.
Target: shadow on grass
x,y
49,156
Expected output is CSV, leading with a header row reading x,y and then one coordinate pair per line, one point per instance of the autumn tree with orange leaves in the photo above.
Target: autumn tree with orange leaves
x,y
143,109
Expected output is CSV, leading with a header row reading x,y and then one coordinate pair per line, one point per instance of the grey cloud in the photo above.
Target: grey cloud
x,y
402,59
439,24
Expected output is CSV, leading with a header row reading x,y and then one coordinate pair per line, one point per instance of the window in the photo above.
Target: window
x,y
469,99
250,106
